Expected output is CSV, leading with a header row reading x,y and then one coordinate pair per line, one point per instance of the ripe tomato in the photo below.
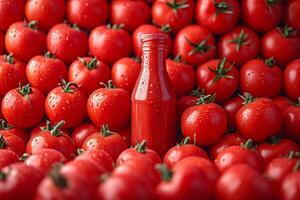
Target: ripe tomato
x,y
292,14
291,122
218,77
105,38
239,45
81,132
261,78
2,44
23,107
109,106
259,119
12,142
46,12
61,103
261,15
126,134
44,159
6,128
19,181
174,13
88,73
87,14
12,72
7,157
204,118
216,15
45,72
291,79
181,151
232,106
148,28
131,13
11,11
282,44
282,102
181,75
106,140
243,182
67,43
195,44
290,187
52,138
125,73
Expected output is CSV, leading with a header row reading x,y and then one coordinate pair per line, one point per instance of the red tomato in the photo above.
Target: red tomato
x,y
224,142
282,102
44,159
148,28
5,128
130,13
201,119
23,107
293,14
261,15
7,157
217,15
181,75
25,40
19,181
109,106
46,12
174,13
106,140
45,72
291,79
291,122
81,132
181,151
126,134
67,43
125,73
88,73
53,139
2,44
218,77
259,119
195,44
282,44
239,45
290,187
242,182
11,11
104,39
61,103
232,106
87,14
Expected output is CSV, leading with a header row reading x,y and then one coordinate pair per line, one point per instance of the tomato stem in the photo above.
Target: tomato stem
x,y
137,59
165,173
4,125
166,28
47,127
297,166
75,27
175,6
177,59
184,141
105,130
55,131
197,92
48,54
58,179
79,151
141,147
270,61
248,98
3,143
115,26
274,140
287,31
33,25
249,144
24,156
291,155
25,90
109,85
272,3
201,47
9,58
240,40
205,99
222,7
66,86
220,71
2,176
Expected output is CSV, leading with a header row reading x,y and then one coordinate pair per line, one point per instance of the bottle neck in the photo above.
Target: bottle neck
x,y
154,55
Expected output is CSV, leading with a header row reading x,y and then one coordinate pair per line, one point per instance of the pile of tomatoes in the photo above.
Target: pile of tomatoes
x,y
67,71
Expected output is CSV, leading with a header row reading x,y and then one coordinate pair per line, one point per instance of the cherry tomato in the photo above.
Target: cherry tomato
x,y
81,132
6,128
239,45
12,142
292,14
46,12
290,187
2,43
88,73
195,44
7,157
61,103
67,43
282,102
87,14
45,72
11,11
23,107
291,79
217,15
105,38
174,13
291,122
232,106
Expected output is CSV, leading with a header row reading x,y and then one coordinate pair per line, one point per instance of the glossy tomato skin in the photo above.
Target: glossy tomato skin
x,y
282,102
131,13
249,185
81,132
261,15
224,86
87,14
166,13
67,43
217,21
283,48
290,187
260,79
11,11
5,128
292,14
126,134
45,73
259,120
46,12
103,39
2,43
239,45
232,106
12,142
186,41
20,182
291,79
7,157
184,102
12,72
291,123
23,111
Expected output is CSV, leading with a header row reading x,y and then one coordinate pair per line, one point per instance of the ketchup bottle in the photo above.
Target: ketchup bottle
x,y
153,99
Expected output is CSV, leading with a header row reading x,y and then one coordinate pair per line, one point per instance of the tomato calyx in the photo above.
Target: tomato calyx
x,y
58,179
4,125
220,71
2,176
48,54
9,58
137,59
105,131
75,27
201,47
247,97
25,90
33,25
92,64
109,85
166,28
55,131
184,141
47,127
115,26
222,7
68,87
270,61
3,143
197,92
240,40
297,166
24,156
293,154
141,147
273,140
165,173
175,6
287,31
206,99
79,151
249,144
177,59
